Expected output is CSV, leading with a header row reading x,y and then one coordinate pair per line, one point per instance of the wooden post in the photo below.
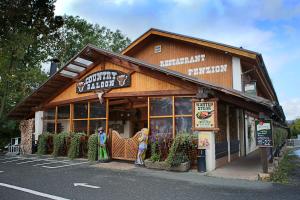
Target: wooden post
x,y
55,120
264,159
107,115
88,119
149,114
173,115
228,132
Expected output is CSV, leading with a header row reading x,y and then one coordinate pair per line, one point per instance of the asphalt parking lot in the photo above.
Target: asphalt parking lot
x,y
62,179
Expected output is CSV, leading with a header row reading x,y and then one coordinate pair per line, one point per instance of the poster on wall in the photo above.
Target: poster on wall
x,y
203,140
263,131
106,79
204,115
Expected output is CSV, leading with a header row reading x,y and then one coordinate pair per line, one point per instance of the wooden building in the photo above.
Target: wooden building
x,y
152,84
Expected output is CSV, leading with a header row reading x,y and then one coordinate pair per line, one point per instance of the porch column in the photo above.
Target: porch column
x,y
228,132
238,129
38,123
210,152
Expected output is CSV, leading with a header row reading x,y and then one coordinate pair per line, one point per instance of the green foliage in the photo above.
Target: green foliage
x,y
59,140
93,147
295,128
279,136
42,143
74,149
77,32
179,151
155,154
283,171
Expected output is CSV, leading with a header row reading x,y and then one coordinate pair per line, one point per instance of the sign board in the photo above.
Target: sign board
x,y
250,88
203,140
105,79
263,130
204,115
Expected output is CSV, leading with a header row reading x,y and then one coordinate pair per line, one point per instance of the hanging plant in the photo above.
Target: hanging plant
x,y
42,143
92,147
74,149
59,141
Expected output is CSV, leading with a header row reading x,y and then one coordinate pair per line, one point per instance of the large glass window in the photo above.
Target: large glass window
x,y
183,105
161,126
80,126
63,119
95,124
183,125
49,120
80,110
161,106
97,110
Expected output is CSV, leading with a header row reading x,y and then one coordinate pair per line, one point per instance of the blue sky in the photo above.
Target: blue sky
x,y
271,27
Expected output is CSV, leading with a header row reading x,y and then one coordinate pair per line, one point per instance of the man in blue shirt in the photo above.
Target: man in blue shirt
x,y
102,154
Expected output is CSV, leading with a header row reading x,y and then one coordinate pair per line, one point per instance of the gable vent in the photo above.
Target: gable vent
x,y
157,49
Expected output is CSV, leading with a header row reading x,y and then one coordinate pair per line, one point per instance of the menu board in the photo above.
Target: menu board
x,y
263,130
204,115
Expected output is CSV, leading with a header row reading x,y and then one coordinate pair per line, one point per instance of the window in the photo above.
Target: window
x,y
183,115
95,124
161,106
183,125
97,110
49,120
157,49
80,126
63,119
80,110
183,105
161,126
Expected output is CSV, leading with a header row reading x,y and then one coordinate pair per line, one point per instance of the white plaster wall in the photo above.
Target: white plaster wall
x,y
236,73
38,123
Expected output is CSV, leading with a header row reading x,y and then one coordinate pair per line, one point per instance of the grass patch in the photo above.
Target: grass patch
x,y
283,171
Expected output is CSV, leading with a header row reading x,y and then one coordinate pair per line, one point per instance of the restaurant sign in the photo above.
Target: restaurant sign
x,y
204,115
263,130
106,79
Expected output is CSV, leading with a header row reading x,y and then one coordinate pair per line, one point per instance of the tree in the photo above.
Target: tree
x,y
26,27
295,128
77,32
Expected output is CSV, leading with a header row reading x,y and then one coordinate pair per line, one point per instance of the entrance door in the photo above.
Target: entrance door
x,y
126,118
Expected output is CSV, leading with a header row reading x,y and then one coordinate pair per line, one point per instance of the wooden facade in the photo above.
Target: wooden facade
x,y
172,49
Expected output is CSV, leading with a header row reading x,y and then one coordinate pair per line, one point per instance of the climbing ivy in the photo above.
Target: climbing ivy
x,y
93,147
74,149
42,143
58,143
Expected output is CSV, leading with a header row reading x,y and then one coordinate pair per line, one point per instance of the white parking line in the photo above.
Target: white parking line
x,y
49,167
49,196
52,162
9,158
19,159
1,171
34,160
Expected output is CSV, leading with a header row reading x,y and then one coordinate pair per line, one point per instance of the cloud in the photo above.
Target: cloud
x,y
292,108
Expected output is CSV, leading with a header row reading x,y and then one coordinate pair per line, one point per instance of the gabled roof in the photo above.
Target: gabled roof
x,y
193,40
241,52
62,79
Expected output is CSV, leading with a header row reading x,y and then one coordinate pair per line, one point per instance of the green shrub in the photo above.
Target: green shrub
x,y
179,151
284,169
279,136
155,154
42,144
59,141
93,147
74,149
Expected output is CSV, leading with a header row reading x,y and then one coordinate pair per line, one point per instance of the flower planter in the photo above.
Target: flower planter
x,y
183,167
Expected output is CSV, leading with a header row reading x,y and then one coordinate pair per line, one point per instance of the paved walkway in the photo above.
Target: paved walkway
x,y
244,168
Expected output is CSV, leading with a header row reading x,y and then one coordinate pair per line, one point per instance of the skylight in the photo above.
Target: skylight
x,y
75,68
68,73
83,61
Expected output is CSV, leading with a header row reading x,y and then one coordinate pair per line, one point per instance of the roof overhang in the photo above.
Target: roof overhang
x,y
91,56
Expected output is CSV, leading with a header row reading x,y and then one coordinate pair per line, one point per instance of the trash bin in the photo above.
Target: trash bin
x,y
201,161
